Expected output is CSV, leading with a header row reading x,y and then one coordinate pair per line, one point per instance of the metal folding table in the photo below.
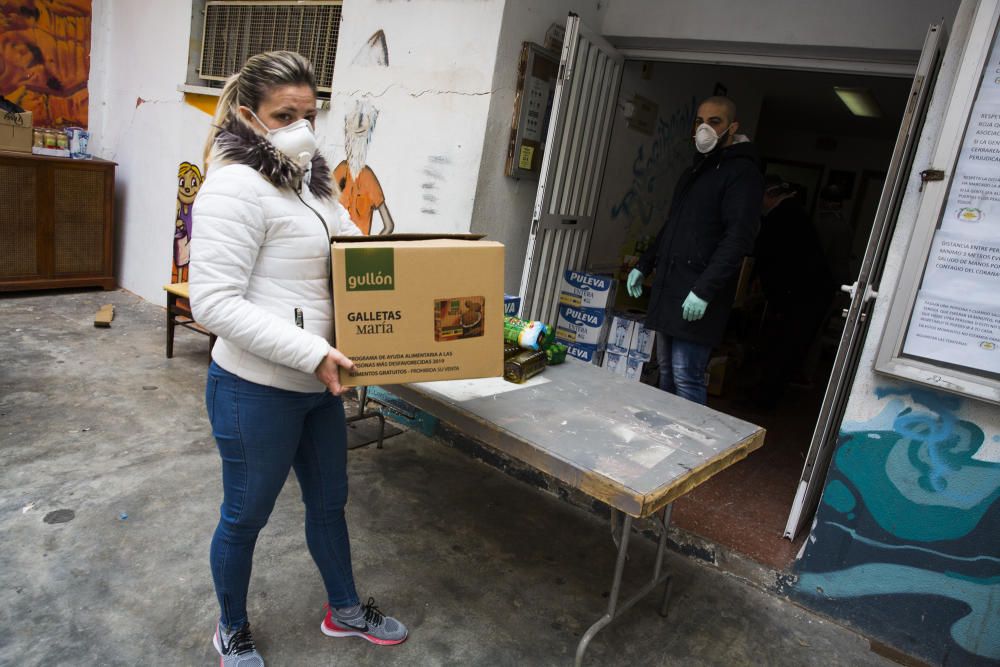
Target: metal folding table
x,y
627,444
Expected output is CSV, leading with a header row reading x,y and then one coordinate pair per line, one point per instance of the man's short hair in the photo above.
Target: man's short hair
x,y
723,101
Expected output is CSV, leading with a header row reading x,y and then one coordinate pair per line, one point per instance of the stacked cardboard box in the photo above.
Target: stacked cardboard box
x,y
582,324
15,132
629,345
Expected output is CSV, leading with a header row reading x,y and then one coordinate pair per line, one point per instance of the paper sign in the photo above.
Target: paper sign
x,y
526,157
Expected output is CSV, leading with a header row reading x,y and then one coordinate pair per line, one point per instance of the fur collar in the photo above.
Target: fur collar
x,y
238,143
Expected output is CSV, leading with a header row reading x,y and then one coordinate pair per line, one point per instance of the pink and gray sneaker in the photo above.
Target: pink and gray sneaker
x,y
367,622
236,649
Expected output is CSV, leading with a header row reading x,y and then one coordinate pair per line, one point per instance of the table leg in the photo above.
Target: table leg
x,y
614,609
363,414
171,323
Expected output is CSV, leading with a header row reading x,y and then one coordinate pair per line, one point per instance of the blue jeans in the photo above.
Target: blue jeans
x,y
682,367
262,432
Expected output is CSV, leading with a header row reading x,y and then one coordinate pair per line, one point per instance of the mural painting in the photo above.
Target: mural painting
x,y
360,192
906,544
655,170
189,180
45,59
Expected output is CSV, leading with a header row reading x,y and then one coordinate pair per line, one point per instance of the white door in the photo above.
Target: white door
x,y
864,291
576,148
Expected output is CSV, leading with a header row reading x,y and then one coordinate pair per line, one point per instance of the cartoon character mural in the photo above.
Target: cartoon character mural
x,y
906,543
360,192
189,180
45,59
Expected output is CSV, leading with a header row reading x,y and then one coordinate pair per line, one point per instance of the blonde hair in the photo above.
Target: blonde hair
x,y
253,83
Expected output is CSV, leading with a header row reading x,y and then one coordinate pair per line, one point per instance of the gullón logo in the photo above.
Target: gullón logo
x,y
369,269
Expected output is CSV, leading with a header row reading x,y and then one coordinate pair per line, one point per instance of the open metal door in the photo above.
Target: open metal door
x,y
864,291
576,148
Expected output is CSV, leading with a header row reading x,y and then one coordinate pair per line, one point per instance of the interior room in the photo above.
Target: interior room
x,y
831,164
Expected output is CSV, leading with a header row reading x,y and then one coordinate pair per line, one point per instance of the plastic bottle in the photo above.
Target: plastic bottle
x,y
529,335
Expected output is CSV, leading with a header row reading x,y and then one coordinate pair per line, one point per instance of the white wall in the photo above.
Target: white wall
x,y
503,205
897,24
139,52
642,169
432,100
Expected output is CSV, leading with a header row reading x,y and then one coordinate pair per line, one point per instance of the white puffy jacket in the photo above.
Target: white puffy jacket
x,y
257,253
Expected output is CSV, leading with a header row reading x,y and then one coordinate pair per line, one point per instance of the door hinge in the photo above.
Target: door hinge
x,y
928,175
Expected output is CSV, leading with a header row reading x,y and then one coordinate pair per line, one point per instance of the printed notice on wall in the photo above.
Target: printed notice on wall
x,y
956,316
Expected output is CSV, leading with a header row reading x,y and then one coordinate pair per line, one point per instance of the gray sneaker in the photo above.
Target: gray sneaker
x,y
367,622
238,649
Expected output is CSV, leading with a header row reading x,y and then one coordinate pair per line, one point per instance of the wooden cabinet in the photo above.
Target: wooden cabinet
x,y
56,222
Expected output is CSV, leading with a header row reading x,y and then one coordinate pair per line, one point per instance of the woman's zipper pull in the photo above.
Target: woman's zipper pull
x,y
299,320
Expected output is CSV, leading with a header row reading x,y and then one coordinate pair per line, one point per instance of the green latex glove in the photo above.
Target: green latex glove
x,y
634,283
693,307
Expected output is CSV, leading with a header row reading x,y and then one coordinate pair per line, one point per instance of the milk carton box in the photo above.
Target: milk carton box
x,y
511,305
586,290
590,354
615,362
621,332
633,368
581,325
641,345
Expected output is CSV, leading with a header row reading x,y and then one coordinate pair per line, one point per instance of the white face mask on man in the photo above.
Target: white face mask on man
x,y
705,138
296,141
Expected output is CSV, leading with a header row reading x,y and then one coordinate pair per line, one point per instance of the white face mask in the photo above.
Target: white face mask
x,y
705,138
297,141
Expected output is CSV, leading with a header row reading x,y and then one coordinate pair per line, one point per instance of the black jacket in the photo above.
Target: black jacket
x,y
713,220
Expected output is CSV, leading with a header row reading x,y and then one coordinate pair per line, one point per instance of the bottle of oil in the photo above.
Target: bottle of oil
x,y
511,350
525,365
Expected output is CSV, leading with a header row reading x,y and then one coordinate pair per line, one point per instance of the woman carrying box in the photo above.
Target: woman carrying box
x,y
260,281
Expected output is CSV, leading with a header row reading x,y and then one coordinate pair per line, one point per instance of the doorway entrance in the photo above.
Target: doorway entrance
x,y
843,170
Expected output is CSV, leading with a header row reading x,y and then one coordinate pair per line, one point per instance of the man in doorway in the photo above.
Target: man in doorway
x,y
713,220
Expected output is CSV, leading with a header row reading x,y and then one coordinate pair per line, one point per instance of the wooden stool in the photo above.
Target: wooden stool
x,y
179,314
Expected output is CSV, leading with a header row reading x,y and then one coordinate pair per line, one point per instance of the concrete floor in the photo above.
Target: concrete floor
x,y
97,425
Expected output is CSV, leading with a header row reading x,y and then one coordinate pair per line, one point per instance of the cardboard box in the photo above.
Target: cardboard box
x,y
581,325
586,290
615,362
627,366
641,346
15,132
628,335
633,368
716,372
590,354
511,305
416,308
620,333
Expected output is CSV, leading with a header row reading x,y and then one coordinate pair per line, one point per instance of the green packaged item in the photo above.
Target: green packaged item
x,y
524,366
529,335
556,353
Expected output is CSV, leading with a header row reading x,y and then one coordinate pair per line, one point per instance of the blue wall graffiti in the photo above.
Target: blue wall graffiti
x,y
655,170
907,539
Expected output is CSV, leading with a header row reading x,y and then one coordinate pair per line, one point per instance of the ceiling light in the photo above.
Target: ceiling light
x,y
859,101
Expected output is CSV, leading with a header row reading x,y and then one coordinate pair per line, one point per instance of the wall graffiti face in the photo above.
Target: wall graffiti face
x,y
656,167
906,543
360,192
45,59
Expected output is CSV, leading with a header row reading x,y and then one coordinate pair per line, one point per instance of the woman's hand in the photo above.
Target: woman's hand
x,y
328,370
